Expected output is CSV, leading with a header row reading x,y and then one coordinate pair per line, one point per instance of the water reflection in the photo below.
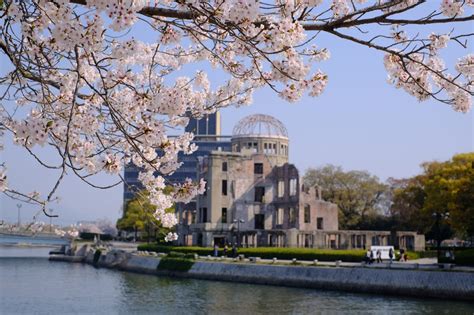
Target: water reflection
x,y
25,251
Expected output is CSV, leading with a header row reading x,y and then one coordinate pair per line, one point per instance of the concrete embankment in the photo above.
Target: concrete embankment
x,y
419,283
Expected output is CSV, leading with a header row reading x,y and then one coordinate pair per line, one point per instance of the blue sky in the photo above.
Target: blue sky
x,y
360,122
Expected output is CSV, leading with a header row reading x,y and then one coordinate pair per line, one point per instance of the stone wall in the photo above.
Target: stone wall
x,y
419,283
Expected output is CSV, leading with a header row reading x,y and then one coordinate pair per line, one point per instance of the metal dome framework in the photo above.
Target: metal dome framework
x,y
260,125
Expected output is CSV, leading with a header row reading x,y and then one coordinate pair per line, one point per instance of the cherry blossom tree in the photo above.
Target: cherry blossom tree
x,y
81,79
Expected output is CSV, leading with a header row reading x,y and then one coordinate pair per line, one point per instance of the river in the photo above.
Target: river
x,y
30,284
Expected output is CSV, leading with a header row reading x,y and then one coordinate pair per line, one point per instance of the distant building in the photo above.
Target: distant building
x,y
207,137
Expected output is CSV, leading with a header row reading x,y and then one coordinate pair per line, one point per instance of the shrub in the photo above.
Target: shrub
x,y
176,254
304,254
175,264
463,257
97,254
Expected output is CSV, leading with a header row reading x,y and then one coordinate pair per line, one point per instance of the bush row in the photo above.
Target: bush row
x,y
434,248
465,257
462,257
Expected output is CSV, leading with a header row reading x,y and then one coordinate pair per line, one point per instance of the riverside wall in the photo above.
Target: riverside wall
x,y
454,285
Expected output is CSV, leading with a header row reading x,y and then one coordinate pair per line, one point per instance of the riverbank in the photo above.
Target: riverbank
x,y
446,284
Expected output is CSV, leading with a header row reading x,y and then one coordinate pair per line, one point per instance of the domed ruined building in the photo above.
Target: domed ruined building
x,y
255,197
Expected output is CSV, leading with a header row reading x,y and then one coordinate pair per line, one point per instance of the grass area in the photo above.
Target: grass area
x,y
428,254
175,264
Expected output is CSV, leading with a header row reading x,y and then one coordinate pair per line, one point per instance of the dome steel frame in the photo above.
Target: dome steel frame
x,y
260,125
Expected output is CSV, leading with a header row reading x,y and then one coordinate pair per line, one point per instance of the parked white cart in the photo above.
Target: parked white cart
x,y
384,250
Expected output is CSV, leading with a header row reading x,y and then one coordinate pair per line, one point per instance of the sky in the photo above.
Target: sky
x,y
360,122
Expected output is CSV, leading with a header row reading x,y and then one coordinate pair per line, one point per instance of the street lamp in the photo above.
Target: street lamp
x,y
438,216
238,230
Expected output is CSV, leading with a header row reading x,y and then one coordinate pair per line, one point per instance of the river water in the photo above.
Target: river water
x,y
30,284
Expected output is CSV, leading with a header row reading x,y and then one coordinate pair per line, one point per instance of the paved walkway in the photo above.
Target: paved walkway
x,y
420,264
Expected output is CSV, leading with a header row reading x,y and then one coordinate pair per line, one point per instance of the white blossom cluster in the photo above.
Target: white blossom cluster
x,y
3,179
421,76
171,236
103,97
37,227
71,232
465,66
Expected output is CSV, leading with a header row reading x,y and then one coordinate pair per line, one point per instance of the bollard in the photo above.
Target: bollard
x,y
208,257
274,260
338,263
315,262
196,256
294,261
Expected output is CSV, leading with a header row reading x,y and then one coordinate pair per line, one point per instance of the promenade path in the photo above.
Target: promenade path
x,y
421,264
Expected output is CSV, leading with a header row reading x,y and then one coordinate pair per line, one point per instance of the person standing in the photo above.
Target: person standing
x,y
234,251
379,256
216,250
367,257
226,248
390,254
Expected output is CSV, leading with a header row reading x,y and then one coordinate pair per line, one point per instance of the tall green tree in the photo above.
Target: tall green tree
x,y
359,195
449,188
138,216
408,198
443,187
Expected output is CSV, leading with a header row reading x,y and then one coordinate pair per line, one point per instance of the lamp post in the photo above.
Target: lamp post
x,y
438,216
238,230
